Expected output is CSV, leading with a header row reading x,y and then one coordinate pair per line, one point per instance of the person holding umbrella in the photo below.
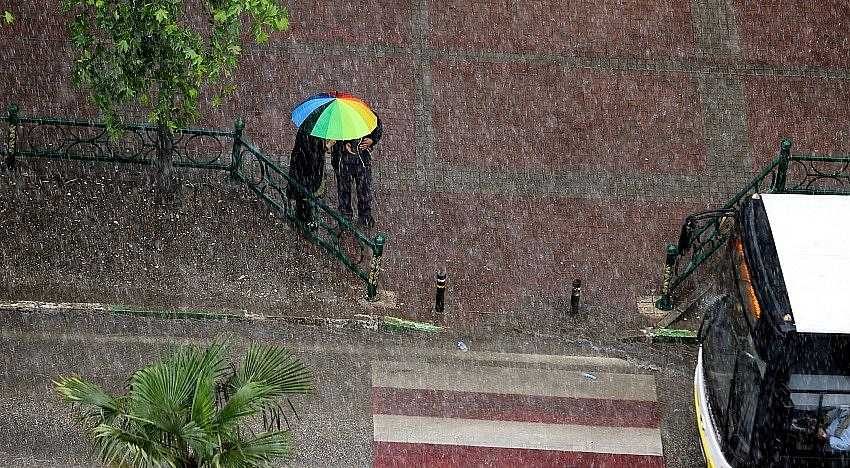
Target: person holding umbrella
x,y
354,129
352,162
307,169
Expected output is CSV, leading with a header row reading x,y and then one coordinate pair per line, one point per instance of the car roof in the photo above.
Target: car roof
x,y
812,238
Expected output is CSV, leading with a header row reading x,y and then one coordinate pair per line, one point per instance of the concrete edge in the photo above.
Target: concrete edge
x,y
364,321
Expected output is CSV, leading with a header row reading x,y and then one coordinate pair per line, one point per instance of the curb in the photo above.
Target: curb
x,y
362,321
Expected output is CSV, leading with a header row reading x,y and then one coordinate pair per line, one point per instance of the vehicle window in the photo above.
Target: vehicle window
x,y
744,401
719,351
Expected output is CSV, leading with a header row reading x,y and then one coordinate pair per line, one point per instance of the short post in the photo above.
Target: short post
x,y
12,138
782,168
575,297
665,302
377,251
440,278
236,152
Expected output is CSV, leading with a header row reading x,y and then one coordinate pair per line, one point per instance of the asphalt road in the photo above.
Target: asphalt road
x,y
335,426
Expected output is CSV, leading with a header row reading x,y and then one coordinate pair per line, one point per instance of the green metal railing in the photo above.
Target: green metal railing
x,y
704,233
216,150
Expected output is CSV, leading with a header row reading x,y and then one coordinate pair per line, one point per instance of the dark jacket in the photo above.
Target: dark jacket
x,y
306,164
339,148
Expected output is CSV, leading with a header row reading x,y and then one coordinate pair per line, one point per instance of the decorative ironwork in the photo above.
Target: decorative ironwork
x,y
326,228
201,149
704,233
818,174
135,144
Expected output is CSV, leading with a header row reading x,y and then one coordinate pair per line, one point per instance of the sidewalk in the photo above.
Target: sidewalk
x,y
97,235
104,236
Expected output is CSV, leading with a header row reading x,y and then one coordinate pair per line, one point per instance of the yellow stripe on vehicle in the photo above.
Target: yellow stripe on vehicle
x,y
706,452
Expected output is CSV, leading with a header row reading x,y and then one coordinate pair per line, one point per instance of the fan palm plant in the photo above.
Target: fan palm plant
x,y
195,409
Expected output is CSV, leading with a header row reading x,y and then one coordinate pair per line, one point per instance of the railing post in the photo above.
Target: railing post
x,y
665,302
236,152
377,251
12,137
782,168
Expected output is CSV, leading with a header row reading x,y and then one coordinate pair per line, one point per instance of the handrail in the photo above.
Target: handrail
x,y
207,149
95,124
264,180
703,233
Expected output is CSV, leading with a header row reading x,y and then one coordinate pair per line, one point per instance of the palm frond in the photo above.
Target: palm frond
x,y
202,442
120,447
159,393
94,401
247,400
276,367
212,360
257,452
203,402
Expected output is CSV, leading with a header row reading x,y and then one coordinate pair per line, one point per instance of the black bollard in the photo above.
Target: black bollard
x,y
439,301
665,302
575,297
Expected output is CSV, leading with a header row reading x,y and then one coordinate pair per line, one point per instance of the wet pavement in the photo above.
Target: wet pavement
x,y
382,399
567,142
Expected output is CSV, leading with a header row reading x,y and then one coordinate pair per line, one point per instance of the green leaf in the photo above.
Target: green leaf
x,y
8,17
276,367
94,404
259,451
151,53
282,23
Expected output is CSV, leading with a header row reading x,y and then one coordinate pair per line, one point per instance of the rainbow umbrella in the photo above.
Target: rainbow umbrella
x,y
335,116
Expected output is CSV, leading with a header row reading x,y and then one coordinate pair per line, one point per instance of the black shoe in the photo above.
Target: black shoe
x,y
367,221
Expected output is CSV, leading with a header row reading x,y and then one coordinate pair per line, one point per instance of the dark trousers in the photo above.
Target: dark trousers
x,y
354,169
303,210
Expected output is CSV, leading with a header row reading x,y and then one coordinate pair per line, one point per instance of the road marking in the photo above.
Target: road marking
x,y
512,434
507,380
401,455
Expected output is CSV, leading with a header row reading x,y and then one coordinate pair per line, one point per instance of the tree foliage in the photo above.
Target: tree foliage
x,y
160,53
194,409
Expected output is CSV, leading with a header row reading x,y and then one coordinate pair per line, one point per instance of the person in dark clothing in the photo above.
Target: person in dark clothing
x,y
352,162
307,168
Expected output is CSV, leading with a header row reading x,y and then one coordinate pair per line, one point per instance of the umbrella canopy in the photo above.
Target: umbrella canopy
x,y
335,116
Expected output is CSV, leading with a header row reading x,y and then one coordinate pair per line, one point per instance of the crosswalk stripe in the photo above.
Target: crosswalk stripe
x,y
512,434
505,380
402,455
525,408
546,359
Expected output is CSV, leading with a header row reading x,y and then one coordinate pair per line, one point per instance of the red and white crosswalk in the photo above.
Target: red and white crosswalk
x,y
434,415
